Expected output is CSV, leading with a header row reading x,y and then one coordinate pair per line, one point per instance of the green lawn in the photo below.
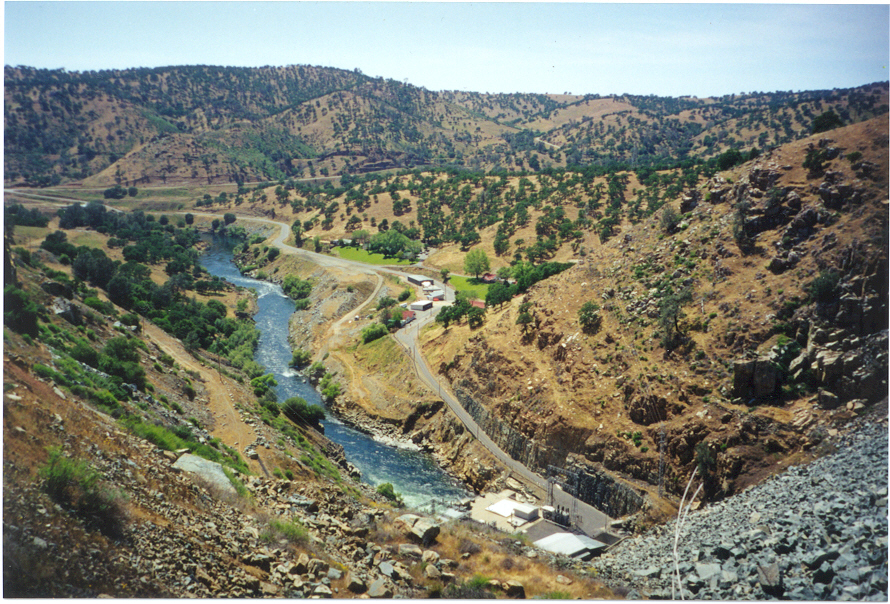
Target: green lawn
x,y
469,284
359,255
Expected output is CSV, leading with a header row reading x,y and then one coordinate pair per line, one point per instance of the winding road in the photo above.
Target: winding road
x,y
590,520
587,518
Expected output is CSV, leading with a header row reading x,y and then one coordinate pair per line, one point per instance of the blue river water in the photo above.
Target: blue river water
x,y
413,474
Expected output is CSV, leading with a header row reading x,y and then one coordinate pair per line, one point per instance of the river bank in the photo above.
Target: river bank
x,y
412,473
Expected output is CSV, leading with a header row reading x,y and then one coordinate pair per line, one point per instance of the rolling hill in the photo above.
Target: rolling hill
x,y
205,124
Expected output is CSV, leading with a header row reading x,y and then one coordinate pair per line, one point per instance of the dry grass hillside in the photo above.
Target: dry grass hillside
x,y
94,505
740,337
217,125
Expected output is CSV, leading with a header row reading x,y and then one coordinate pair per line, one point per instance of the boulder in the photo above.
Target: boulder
x,y
269,589
206,472
777,265
302,565
318,567
755,378
411,550
387,569
645,573
706,571
431,572
422,529
356,584
380,589
67,310
828,400
322,591
514,589
430,557
770,578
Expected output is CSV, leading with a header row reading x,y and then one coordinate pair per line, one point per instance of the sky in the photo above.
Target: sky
x,y
576,47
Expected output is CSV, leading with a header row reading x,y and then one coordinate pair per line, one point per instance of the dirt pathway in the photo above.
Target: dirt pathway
x,y
228,425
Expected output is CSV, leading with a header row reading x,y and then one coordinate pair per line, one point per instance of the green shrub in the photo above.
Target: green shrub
x,y
824,287
262,384
104,398
239,486
291,530
589,317
316,370
106,308
404,295
385,302
330,392
386,489
300,358
76,486
373,332
19,311
298,410
555,595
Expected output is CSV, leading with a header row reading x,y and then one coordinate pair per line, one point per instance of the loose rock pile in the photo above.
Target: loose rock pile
x,y
815,532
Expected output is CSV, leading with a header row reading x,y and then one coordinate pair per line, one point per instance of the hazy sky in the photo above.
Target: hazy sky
x,y
664,49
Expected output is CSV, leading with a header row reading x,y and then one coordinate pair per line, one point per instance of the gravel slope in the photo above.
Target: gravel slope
x,y
814,532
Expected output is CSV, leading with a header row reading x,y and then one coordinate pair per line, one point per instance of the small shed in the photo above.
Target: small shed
x,y
489,278
421,305
510,507
573,546
407,317
477,303
436,294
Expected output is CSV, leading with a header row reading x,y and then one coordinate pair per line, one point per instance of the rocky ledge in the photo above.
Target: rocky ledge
x,y
815,532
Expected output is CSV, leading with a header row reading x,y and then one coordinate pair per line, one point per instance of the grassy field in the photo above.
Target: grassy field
x,y
351,253
25,233
469,284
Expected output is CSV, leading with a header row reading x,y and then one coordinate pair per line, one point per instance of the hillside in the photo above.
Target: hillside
x,y
725,314
740,325
138,465
205,124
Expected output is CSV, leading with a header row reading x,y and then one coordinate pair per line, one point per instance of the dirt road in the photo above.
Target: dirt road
x,y
228,425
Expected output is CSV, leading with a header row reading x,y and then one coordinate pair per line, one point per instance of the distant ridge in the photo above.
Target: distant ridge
x,y
208,124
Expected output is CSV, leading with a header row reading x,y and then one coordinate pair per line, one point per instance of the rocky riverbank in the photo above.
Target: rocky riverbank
x,y
815,532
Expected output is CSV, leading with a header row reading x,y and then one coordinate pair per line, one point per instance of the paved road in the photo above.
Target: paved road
x,y
65,201
588,518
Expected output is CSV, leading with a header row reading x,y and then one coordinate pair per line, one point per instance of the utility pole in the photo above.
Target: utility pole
x,y
661,460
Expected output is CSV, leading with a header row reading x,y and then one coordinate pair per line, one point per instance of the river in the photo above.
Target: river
x,y
413,474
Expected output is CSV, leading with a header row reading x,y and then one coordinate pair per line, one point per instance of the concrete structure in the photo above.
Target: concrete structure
x,y
503,511
421,305
510,508
573,546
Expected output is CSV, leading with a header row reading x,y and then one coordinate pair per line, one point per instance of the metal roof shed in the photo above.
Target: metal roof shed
x,y
567,544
